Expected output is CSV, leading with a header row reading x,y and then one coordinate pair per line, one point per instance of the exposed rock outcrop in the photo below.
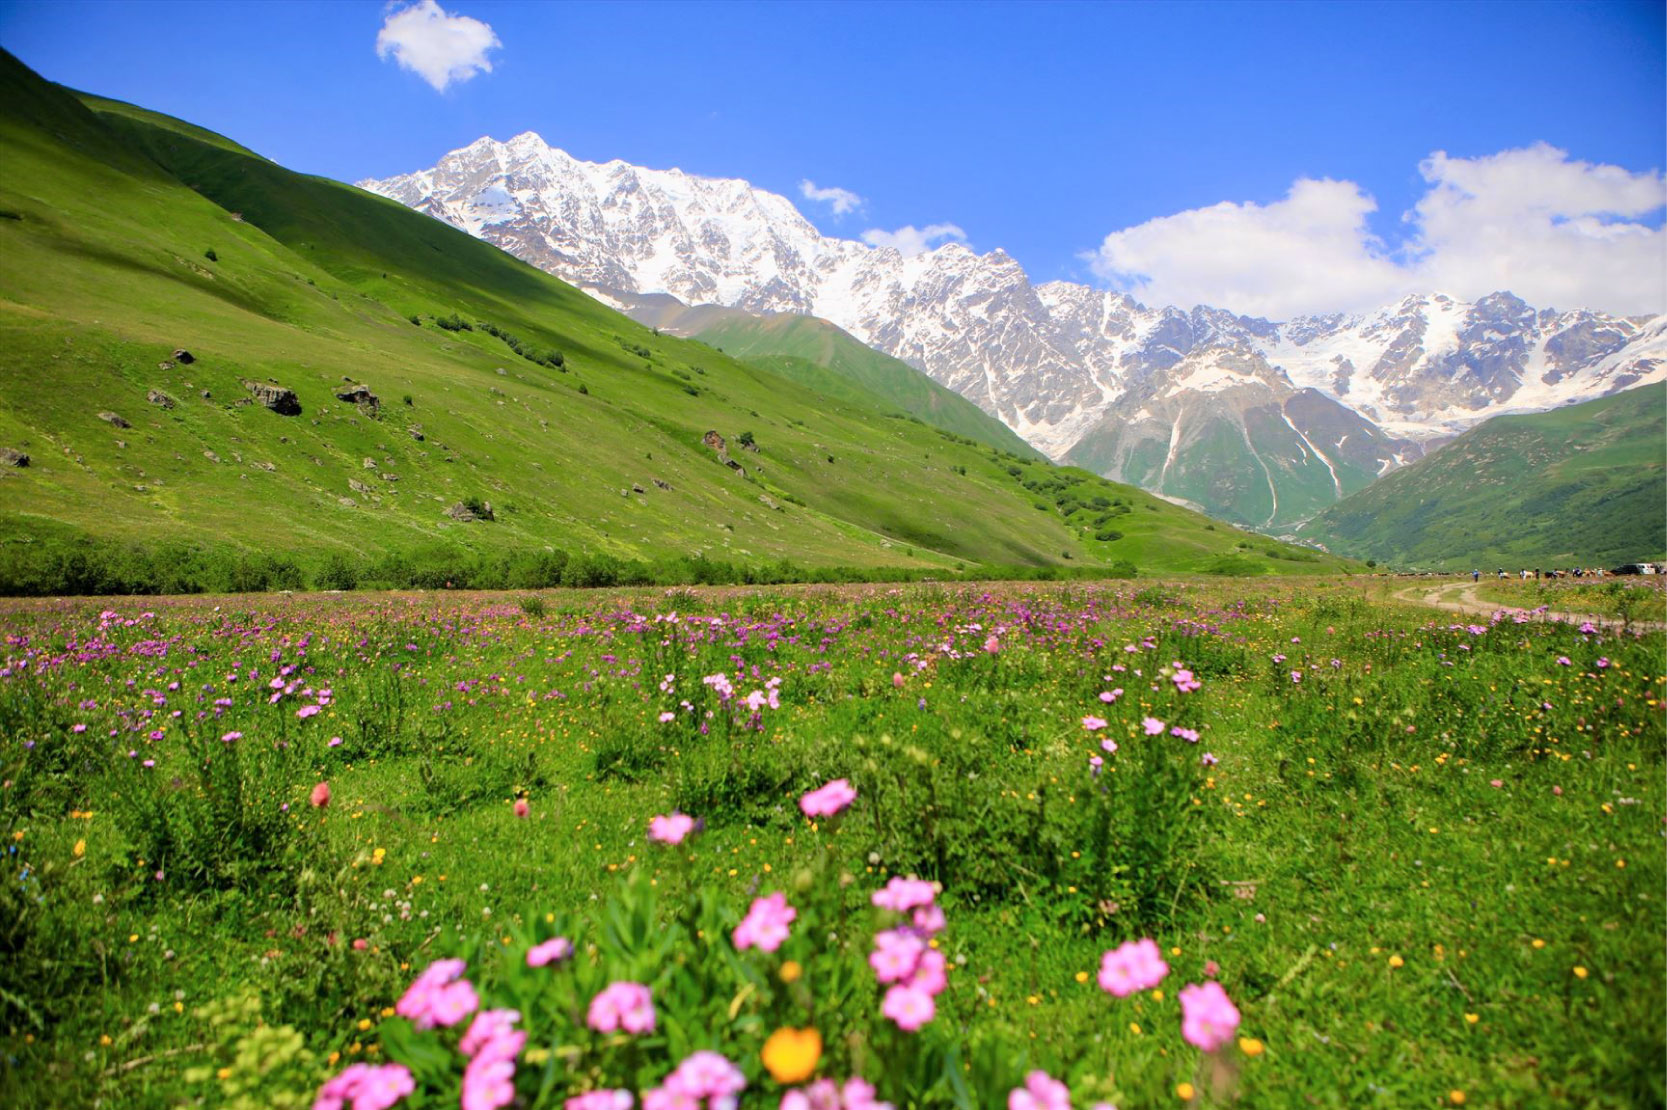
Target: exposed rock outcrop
x,y
275,397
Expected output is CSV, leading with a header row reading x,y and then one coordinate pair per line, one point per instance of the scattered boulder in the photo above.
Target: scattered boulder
x,y
637,489
184,357
369,463
358,487
112,418
275,397
466,513
264,466
211,456
386,477
360,395
346,502
10,456
716,442
164,365
157,397
662,484
206,395
416,432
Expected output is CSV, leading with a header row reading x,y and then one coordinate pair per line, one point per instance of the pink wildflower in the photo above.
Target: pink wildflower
x,y
1184,681
897,680
902,895
896,955
1153,726
370,1087
1208,1017
489,1080
622,1005
1109,745
670,829
522,807
829,799
765,926
992,644
552,951
928,920
1109,696
487,1025
307,711
910,1007
930,973
666,717
600,1100
320,796
1040,1092
439,996
1134,965
1093,724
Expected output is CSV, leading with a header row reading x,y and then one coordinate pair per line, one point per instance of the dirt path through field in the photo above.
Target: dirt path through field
x,y
1460,597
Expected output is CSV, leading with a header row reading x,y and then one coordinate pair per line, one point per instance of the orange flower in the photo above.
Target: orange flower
x,y
791,1055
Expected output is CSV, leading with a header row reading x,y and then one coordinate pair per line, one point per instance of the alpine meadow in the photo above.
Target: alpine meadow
x,y
558,634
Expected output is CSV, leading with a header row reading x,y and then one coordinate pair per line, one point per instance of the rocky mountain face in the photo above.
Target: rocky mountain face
x,y
1258,422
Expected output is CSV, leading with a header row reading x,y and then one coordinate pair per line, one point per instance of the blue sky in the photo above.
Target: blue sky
x,y
1039,128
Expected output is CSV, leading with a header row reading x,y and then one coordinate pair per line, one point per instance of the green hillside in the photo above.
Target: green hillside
x,y
128,235
834,362
1576,486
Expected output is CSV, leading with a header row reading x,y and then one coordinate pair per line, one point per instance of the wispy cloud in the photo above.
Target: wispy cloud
x,y
911,240
1555,231
842,200
436,45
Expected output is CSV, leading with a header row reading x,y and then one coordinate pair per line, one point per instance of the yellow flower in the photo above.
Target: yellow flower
x,y
790,971
1184,1092
791,1055
1580,973
1456,1097
1472,1019
80,848
1250,1046
1396,961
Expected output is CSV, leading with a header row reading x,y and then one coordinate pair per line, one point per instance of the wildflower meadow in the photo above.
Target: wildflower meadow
x,y
814,848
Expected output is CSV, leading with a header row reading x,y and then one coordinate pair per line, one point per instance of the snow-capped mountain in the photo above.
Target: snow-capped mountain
x,y
1260,422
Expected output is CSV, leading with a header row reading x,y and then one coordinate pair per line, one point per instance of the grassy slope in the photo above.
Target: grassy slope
x,y
105,274
836,363
1579,485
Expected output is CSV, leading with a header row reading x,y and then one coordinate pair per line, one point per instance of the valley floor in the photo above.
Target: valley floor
x,y
1422,856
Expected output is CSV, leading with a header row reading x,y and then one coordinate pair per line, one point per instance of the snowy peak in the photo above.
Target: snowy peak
x,y
1059,363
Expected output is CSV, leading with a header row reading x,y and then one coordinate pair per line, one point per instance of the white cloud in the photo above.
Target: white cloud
x,y
842,200
910,241
436,45
1556,232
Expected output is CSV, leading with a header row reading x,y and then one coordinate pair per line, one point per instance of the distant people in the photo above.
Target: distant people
x,y
1502,574
1476,576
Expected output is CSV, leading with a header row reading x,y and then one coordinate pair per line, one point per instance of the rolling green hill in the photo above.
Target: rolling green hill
x,y
831,361
1576,486
125,235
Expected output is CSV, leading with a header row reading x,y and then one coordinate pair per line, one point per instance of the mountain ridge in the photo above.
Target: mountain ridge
x,y
1059,363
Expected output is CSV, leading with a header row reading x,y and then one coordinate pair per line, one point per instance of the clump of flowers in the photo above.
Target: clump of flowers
x,y
440,996
366,1087
670,828
765,926
915,973
622,1005
1132,966
1208,1016
825,1094
703,1080
828,800
1041,1091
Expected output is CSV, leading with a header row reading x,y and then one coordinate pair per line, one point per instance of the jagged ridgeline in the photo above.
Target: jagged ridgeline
x,y
220,373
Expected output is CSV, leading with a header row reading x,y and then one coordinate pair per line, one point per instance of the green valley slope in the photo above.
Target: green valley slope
x,y
832,361
1576,486
127,235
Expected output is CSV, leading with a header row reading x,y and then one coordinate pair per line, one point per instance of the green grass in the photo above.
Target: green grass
x,y
1396,867
831,361
1641,598
1577,486
315,282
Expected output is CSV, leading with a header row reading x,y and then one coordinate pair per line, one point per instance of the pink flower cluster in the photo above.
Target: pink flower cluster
x,y
600,1100
903,957
1134,965
440,996
622,1005
552,951
492,1044
1183,679
765,926
670,828
1208,1016
368,1086
829,799
1040,1092
701,1076
825,1094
